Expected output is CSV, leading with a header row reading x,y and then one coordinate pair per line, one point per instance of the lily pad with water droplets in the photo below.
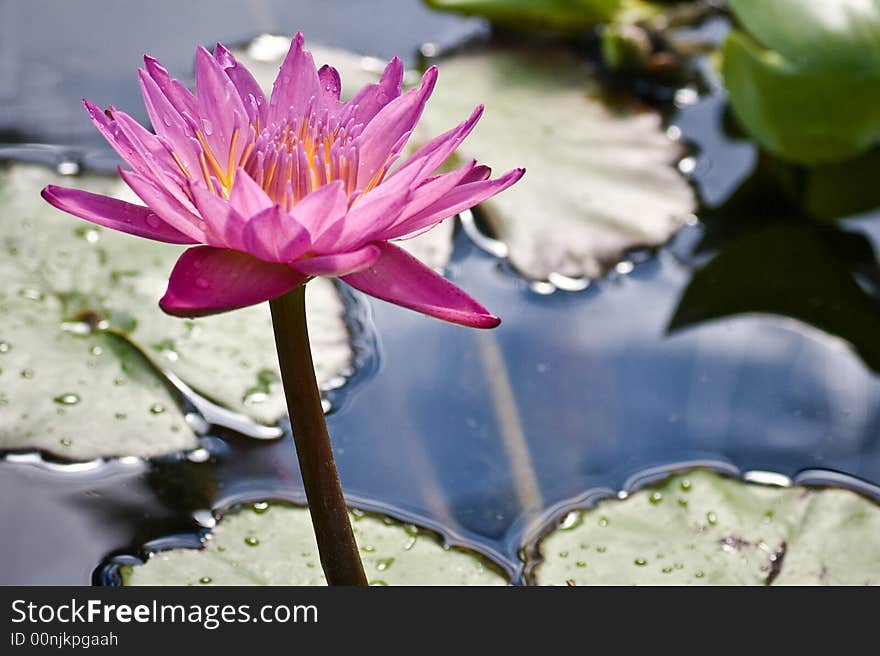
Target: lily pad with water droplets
x,y
60,271
599,179
702,528
275,545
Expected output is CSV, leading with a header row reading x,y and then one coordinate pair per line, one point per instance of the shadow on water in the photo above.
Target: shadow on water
x,y
745,344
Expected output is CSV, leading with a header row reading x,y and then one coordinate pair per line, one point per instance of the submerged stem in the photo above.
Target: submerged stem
x,y
336,545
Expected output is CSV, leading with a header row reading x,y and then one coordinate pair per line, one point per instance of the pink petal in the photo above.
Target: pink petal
x,y
370,215
373,97
297,83
177,94
322,208
460,198
338,264
220,109
170,124
157,164
331,84
248,90
401,279
246,196
435,152
209,280
225,225
166,206
275,236
114,214
387,131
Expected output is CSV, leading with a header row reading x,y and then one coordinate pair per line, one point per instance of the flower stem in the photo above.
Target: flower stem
x,y
336,545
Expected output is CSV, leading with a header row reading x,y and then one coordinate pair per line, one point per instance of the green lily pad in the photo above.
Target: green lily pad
x,y
599,179
557,15
702,528
275,545
69,284
803,77
79,396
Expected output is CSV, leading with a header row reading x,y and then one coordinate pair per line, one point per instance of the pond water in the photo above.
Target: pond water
x,y
720,349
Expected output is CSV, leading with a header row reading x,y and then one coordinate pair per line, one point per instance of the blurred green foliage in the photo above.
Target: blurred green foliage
x,y
804,76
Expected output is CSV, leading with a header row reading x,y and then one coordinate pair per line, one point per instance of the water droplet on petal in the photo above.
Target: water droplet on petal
x,y
67,399
252,541
153,220
157,409
4,347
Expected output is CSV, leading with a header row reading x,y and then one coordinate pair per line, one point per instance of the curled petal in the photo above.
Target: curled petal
x,y
275,236
399,278
209,280
114,214
338,264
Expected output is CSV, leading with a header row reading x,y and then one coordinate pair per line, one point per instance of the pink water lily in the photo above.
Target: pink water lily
x,y
281,190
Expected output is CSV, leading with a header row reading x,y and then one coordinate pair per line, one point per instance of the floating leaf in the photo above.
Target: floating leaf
x,y
599,179
275,545
61,272
804,78
702,528
79,396
792,269
560,15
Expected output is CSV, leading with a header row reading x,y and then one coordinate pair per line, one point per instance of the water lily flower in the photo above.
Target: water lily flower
x,y
276,191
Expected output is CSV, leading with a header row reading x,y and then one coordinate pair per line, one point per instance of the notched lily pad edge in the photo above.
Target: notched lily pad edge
x,y
815,479
112,572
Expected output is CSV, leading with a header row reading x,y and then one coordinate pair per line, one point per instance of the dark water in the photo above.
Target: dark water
x,y
745,344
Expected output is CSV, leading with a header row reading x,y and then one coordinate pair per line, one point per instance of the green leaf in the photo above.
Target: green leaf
x,y
68,282
79,396
804,79
557,15
791,269
275,545
835,35
702,528
599,178
841,189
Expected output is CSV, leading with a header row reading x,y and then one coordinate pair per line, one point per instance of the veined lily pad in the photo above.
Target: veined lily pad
x,y
599,180
71,273
804,76
80,396
702,528
275,545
